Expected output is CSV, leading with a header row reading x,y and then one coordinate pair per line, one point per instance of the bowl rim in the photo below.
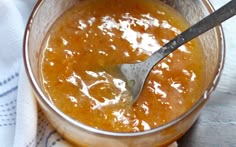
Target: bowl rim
x,y
37,90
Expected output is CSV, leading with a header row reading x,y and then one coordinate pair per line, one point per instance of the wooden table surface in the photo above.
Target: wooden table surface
x,y
216,126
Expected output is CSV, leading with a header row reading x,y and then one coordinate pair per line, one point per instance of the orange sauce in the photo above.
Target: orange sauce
x,y
95,35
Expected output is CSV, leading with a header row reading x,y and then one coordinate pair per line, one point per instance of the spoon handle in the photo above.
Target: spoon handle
x,y
215,18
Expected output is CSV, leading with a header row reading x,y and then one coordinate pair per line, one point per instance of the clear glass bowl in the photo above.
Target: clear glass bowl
x,y
42,17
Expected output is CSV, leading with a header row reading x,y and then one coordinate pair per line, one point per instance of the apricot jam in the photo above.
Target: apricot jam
x,y
95,35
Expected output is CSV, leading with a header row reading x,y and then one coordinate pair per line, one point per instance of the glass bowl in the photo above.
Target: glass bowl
x,y
43,16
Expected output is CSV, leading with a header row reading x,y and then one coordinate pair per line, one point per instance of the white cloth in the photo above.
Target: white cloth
x,y
11,31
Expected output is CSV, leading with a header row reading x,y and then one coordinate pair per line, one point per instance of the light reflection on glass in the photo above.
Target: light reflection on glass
x,y
120,116
176,86
72,79
190,74
91,21
51,63
121,85
73,99
137,40
165,24
82,25
156,89
184,49
91,73
145,125
145,108
103,53
164,66
64,41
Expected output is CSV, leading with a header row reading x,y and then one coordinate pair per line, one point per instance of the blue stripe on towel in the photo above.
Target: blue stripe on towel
x,y
10,78
8,91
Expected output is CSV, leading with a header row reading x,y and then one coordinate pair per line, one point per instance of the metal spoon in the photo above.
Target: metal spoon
x,y
137,73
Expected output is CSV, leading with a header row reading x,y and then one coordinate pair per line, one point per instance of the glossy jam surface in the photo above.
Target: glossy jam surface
x,y
93,36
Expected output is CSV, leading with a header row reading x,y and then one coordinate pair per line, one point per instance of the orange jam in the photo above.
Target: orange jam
x,y
95,35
